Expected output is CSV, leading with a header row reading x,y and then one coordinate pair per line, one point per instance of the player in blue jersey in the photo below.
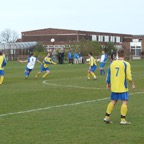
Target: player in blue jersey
x,y
30,64
45,66
2,65
103,60
118,74
92,67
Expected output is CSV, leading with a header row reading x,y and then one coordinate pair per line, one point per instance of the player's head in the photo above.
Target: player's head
x,y
103,51
121,52
48,55
1,52
90,54
31,54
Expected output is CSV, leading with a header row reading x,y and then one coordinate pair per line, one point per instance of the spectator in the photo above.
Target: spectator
x,y
54,55
61,56
70,59
80,58
76,56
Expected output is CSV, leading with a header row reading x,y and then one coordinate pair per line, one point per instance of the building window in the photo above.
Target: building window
x,y
99,38
136,48
106,38
117,39
94,37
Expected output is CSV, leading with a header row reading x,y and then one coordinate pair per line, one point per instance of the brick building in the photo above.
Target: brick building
x,y
62,37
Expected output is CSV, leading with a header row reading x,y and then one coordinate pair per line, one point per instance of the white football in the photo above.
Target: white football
x,y
98,60
87,60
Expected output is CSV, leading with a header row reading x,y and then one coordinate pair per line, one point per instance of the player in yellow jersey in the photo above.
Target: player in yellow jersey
x,y
92,67
118,74
2,65
45,66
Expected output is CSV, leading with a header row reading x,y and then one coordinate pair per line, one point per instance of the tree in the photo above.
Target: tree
x,y
39,50
86,46
110,46
8,36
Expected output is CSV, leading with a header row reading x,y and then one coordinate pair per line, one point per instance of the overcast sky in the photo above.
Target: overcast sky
x,y
116,16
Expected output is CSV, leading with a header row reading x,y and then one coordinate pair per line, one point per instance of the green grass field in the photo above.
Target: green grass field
x,y
65,108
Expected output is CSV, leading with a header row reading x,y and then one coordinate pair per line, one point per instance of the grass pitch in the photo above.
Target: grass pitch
x,y
65,108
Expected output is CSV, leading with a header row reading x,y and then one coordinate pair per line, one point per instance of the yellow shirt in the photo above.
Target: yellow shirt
x,y
92,61
2,62
118,74
47,61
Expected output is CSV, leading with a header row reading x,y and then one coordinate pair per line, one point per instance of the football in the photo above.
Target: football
x,y
98,60
87,60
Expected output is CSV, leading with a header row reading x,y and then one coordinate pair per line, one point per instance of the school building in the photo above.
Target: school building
x,y
59,38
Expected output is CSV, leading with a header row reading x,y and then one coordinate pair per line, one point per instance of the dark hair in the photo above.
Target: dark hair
x,y
121,52
31,54
90,53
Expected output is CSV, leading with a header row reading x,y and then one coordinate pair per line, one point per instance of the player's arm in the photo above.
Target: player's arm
x,y
52,62
108,79
39,61
132,84
129,76
21,61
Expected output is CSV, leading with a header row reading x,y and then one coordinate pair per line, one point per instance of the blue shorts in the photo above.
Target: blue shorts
x,y
102,65
2,72
120,96
44,69
93,68
27,69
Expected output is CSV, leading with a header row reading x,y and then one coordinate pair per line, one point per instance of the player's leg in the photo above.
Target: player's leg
x,y
37,75
114,99
124,108
1,79
123,111
93,68
1,76
88,74
41,70
109,110
26,72
103,69
47,72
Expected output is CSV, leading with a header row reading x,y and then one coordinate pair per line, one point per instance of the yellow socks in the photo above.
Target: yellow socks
x,y
123,112
88,75
93,74
45,75
109,110
1,79
37,74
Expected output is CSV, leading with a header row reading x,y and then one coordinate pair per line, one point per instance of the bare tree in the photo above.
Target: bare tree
x,y
8,36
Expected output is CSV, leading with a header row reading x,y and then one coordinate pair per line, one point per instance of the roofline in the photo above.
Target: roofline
x,y
79,31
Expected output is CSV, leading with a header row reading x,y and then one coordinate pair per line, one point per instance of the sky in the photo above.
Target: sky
x,y
114,16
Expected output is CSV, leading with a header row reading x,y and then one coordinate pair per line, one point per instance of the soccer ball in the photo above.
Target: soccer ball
x,y
87,60
98,60
52,40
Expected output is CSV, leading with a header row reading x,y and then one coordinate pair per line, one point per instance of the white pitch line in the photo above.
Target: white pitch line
x,y
59,106
72,86
51,107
